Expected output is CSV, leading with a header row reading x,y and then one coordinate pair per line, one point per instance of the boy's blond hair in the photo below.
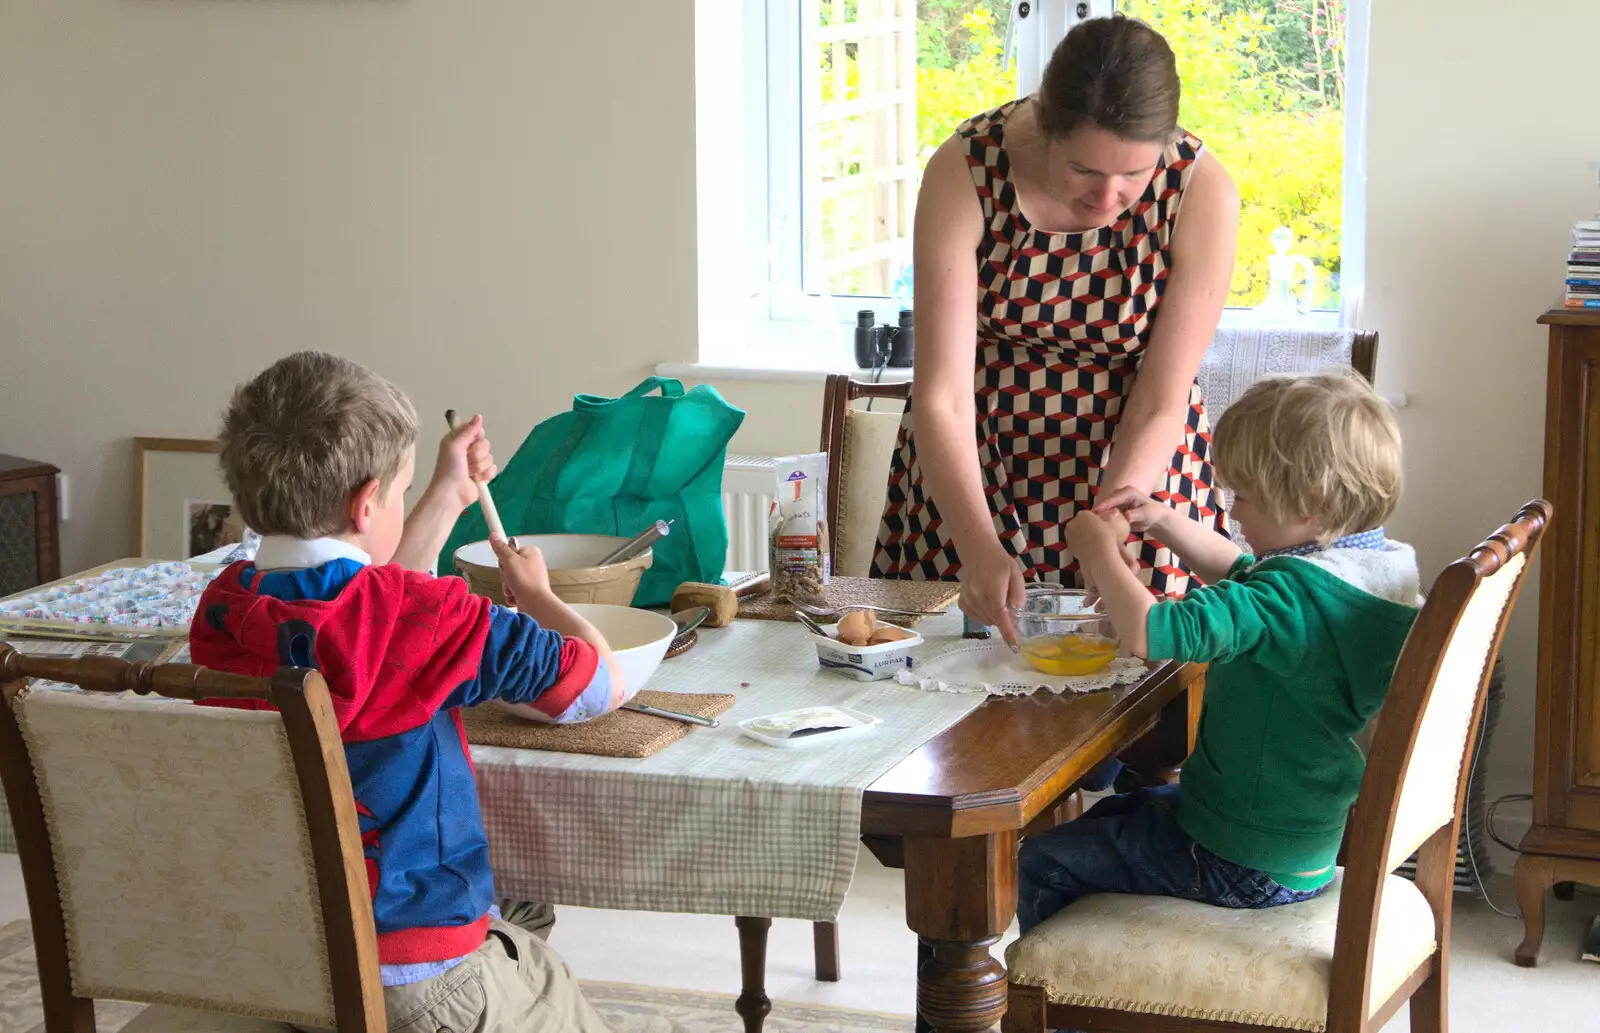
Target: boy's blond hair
x,y
1322,447
307,432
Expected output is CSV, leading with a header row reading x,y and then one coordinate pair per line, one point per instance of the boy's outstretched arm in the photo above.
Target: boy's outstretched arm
x,y
527,586
1209,555
547,656
1097,543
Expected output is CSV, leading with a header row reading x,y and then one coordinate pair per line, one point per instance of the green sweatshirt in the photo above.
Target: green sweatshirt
x,y
1301,651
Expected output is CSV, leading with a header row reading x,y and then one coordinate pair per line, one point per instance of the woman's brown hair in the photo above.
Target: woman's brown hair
x,y
1116,74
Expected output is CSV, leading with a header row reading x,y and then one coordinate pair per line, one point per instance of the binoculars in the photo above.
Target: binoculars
x,y
886,345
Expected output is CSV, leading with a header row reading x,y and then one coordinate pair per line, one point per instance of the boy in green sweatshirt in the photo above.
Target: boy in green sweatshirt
x,y
1302,639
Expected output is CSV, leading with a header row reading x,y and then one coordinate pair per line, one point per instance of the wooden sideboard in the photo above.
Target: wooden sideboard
x,y
1563,845
29,553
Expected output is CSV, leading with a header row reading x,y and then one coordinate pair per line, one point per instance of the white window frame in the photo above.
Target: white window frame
x,y
773,34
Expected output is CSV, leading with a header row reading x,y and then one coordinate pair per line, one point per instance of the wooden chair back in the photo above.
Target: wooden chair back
x,y
837,440
1416,778
1364,354
204,857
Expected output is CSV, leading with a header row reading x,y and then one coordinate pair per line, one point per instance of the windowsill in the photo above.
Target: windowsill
x,y
729,371
809,352
780,350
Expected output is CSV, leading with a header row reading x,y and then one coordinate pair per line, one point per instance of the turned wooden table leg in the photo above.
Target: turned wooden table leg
x,y
753,1004
924,955
963,988
960,897
1534,876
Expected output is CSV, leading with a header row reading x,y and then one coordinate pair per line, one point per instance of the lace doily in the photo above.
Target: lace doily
x,y
993,668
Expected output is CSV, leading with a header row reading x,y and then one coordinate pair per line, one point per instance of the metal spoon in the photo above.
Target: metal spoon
x,y
687,621
673,715
637,544
805,618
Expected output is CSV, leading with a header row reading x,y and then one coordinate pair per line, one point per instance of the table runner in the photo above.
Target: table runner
x,y
718,824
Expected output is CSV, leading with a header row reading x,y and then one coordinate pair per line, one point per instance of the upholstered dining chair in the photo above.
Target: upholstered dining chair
x,y
1239,356
859,443
203,860
1346,960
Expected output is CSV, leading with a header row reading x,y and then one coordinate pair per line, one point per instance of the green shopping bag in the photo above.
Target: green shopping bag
x,y
616,465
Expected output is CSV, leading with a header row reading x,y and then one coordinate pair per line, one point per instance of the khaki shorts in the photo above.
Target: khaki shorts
x,y
514,982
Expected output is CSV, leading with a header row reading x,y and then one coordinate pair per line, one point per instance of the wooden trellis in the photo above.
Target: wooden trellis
x,y
859,126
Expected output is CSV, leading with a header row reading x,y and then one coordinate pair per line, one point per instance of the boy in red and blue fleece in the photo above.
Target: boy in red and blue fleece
x,y
319,452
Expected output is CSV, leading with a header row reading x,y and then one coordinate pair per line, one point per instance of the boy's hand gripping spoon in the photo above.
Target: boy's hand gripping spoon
x,y
491,516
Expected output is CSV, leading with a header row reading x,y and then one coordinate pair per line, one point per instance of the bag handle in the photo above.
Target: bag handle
x,y
670,388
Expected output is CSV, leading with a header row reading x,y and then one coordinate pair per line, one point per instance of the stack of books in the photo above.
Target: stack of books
x,y
1583,266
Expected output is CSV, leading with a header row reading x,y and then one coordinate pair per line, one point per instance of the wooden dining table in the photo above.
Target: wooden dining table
x,y
951,815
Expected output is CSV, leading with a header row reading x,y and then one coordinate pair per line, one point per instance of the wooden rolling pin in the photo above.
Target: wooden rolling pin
x,y
721,600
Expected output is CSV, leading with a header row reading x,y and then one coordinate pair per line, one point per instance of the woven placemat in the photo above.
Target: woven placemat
x,y
621,733
863,591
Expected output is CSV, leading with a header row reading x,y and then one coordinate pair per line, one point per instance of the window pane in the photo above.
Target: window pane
x,y
884,83
1263,87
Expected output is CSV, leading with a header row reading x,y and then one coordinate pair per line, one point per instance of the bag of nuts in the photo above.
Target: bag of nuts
x,y
800,562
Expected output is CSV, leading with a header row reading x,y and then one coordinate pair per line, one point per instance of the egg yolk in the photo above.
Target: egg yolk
x,y
1070,654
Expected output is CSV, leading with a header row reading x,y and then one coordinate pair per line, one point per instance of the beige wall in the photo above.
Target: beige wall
x,y
495,204
491,202
1479,130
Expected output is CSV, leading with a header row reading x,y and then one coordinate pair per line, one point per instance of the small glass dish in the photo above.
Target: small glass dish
x,y
1062,633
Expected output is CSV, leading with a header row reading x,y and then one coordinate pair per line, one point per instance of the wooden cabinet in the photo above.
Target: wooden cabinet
x,y
29,550
1563,844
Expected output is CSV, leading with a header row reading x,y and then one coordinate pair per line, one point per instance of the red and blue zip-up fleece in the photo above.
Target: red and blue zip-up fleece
x,y
401,653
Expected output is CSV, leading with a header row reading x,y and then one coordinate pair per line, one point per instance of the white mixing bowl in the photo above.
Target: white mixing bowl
x,y
638,640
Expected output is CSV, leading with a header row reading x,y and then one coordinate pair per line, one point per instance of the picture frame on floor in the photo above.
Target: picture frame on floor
x,y
181,504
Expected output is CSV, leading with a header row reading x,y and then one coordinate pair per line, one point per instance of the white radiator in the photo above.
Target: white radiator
x,y
747,486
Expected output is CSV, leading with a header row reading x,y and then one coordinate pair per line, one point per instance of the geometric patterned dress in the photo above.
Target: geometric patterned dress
x,y
1063,320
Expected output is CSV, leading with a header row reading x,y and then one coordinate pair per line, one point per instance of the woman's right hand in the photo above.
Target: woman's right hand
x,y
991,584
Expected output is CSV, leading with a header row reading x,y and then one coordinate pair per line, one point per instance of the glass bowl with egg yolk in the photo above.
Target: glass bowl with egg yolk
x,y
1062,633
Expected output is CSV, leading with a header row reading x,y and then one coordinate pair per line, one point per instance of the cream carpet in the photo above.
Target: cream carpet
x,y
626,1008
700,953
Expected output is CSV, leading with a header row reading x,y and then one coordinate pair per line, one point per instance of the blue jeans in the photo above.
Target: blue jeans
x,y
1132,844
1103,777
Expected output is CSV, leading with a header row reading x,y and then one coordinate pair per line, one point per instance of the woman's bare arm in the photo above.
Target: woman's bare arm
x,y
1186,320
949,228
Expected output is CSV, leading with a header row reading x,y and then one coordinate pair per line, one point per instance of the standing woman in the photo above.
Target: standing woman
x,y
1077,247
